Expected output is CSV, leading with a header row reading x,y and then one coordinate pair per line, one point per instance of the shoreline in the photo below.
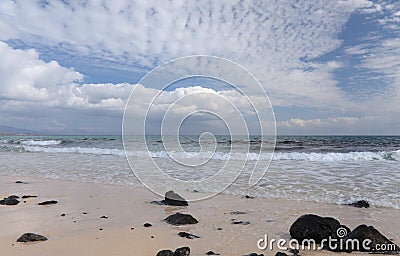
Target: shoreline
x,y
82,231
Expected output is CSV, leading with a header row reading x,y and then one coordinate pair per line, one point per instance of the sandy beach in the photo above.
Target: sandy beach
x,y
82,231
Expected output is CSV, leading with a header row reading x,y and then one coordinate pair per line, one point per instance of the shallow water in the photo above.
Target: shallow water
x,y
336,169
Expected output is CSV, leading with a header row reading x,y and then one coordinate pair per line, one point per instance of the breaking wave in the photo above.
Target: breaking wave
x,y
297,156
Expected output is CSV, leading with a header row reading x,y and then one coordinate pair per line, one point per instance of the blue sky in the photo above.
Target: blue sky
x,y
329,67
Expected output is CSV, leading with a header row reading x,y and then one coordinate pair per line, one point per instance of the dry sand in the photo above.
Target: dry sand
x,y
128,207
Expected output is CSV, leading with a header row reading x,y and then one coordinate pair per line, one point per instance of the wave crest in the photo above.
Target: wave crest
x,y
296,156
40,142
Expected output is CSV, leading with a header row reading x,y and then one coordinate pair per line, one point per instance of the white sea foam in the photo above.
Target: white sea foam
x,y
297,156
76,150
40,142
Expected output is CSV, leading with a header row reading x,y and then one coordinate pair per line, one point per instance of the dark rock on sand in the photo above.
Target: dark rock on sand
x,y
183,251
254,254
180,219
212,253
172,198
237,213
30,237
147,225
311,226
158,202
48,202
165,253
281,254
294,251
240,222
11,200
28,196
103,217
378,242
249,197
21,182
187,235
360,204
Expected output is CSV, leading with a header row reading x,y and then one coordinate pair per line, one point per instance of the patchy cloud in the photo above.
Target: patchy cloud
x,y
285,45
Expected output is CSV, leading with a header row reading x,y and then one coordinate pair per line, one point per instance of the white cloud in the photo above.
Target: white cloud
x,y
32,90
271,39
345,125
277,41
26,77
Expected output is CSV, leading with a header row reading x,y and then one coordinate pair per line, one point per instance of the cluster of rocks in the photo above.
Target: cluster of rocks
x,y
177,219
13,200
323,229
306,228
183,251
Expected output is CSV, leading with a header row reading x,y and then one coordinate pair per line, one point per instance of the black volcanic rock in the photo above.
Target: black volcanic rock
x,y
360,204
28,196
187,235
180,219
48,202
240,222
211,253
30,237
165,253
11,200
183,251
314,227
376,243
172,198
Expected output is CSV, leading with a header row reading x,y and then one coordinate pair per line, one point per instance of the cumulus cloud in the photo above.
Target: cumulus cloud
x,y
26,77
32,88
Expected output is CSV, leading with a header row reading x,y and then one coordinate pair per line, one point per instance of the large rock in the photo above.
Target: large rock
x,y
30,237
172,198
11,200
378,242
314,227
180,219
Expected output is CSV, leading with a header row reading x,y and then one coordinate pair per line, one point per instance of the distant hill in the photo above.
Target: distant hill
x,y
8,130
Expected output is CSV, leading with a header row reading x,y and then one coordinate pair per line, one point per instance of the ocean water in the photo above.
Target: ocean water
x,y
334,169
